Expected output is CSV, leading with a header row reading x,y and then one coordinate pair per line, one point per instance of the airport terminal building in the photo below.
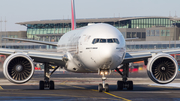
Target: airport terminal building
x,y
154,30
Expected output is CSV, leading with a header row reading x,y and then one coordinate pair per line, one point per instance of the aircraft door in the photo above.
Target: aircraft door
x,y
80,44
83,42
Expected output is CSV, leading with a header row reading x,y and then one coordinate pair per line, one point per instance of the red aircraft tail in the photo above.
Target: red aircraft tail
x,y
73,19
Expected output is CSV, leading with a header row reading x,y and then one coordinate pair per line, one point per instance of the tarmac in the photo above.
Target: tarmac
x,y
80,87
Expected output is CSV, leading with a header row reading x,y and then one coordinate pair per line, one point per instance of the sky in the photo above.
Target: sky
x,y
33,10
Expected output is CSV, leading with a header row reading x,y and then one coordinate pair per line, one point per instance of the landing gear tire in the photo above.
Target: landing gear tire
x,y
41,85
100,88
130,85
51,85
120,85
106,88
125,73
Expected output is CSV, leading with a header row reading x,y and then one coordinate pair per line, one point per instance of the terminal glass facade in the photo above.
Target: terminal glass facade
x,y
52,32
149,22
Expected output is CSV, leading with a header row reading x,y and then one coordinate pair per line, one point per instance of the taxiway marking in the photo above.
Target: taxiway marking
x,y
76,87
62,83
124,99
15,93
1,88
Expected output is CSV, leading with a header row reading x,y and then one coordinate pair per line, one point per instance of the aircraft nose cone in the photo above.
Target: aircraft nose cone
x,y
106,52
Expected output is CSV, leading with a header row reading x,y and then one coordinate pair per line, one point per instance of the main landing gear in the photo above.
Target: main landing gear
x,y
104,86
124,83
46,83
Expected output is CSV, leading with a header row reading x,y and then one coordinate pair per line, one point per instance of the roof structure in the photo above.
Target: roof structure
x,y
92,20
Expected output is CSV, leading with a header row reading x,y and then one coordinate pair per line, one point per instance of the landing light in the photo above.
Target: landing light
x,y
104,72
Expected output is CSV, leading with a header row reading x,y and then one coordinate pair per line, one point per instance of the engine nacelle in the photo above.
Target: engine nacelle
x,y
18,68
162,68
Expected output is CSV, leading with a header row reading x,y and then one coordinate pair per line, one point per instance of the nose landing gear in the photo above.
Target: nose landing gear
x,y
104,86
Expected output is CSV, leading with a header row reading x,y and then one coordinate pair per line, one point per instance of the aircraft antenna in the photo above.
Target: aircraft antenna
x,y
170,14
175,14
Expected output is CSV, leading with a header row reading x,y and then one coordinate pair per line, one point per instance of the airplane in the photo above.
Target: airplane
x,y
96,48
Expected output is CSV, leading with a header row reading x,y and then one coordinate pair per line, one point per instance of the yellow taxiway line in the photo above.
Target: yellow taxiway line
x,y
124,99
62,83
1,88
15,93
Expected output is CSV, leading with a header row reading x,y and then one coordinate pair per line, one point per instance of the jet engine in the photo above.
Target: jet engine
x,y
18,68
162,68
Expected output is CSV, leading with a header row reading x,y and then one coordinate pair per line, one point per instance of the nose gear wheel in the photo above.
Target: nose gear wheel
x,y
103,86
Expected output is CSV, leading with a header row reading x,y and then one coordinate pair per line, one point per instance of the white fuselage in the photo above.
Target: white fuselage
x,y
92,47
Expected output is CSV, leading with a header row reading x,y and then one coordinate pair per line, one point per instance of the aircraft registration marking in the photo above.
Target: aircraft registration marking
x,y
92,48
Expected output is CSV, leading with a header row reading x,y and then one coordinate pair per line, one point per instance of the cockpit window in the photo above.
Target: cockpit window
x,y
95,41
116,41
102,40
105,41
109,40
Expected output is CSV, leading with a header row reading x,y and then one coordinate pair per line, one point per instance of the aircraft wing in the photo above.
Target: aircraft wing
x,y
38,56
32,41
144,55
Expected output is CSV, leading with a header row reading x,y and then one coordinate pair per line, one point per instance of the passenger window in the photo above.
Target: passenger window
x,y
109,40
102,40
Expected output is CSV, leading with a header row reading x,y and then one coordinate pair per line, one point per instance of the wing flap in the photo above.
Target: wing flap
x,y
48,57
38,56
6,51
32,41
144,55
136,56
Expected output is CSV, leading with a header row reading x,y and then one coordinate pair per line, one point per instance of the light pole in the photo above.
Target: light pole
x,y
1,24
175,34
1,31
